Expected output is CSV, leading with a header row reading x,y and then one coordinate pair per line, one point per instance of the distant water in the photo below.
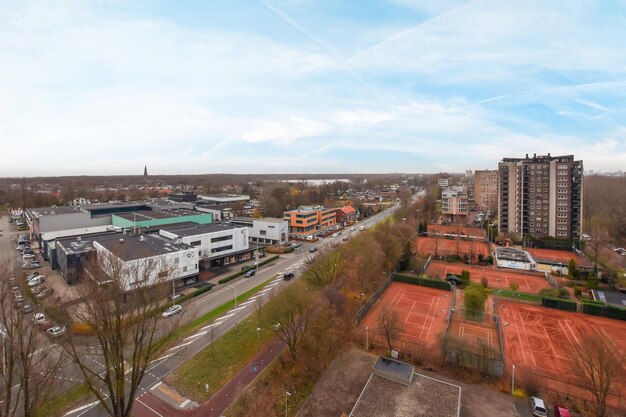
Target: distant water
x,y
319,182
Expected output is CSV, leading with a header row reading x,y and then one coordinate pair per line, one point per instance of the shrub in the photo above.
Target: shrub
x,y
578,292
83,329
465,276
563,293
520,393
549,292
514,286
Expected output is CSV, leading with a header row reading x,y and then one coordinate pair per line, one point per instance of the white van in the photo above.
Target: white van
x,y
538,406
361,228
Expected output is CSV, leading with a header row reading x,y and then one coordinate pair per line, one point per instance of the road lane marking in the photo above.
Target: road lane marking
x,y
76,410
181,345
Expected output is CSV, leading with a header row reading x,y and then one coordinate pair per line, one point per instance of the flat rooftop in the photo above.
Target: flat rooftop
x,y
251,219
51,211
196,229
425,396
128,247
512,254
157,214
613,298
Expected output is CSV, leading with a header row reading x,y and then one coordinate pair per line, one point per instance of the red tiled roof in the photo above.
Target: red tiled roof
x,y
347,209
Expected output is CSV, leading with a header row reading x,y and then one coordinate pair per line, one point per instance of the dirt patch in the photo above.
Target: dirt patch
x,y
340,386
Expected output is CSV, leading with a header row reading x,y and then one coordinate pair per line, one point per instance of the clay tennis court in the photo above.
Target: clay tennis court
x,y
453,230
560,256
447,247
423,312
497,278
543,339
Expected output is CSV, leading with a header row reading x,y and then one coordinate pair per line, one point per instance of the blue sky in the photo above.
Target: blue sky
x,y
304,86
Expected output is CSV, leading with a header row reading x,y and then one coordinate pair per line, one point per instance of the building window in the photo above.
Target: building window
x,y
221,249
263,233
195,243
177,260
221,238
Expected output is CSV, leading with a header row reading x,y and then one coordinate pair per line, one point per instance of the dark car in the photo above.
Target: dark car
x,y
313,249
288,275
249,273
245,267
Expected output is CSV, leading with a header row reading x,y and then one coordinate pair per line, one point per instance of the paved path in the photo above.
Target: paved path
x,y
148,405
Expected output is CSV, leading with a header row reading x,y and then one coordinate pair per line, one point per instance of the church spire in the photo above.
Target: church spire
x,y
145,170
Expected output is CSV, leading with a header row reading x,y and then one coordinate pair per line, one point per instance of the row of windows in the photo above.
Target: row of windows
x,y
221,249
561,191
221,238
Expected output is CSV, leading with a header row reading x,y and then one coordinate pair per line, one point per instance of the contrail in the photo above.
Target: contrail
x,y
318,42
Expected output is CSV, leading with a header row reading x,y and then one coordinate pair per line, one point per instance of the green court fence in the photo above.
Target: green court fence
x,y
602,310
370,303
424,282
558,303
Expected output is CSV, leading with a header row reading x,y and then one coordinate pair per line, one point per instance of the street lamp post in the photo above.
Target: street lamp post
x,y
513,381
234,288
367,338
287,395
258,336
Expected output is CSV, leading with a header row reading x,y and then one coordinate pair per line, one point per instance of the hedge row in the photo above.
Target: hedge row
x,y
424,282
558,303
598,308
240,273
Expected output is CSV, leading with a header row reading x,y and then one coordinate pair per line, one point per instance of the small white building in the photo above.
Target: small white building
x,y
265,231
218,244
512,258
147,259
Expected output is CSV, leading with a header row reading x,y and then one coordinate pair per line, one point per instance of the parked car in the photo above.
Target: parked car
x,y
352,229
33,282
313,249
335,234
56,331
28,256
249,273
31,265
538,407
345,238
175,309
560,411
288,275
27,308
46,292
39,318
32,276
298,245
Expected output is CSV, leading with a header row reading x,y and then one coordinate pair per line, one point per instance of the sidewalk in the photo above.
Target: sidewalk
x,y
152,403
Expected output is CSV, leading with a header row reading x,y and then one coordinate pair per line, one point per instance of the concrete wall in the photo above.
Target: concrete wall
x,y
70,221
277,232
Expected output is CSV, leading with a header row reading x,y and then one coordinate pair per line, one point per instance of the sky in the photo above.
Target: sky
x,y
308,86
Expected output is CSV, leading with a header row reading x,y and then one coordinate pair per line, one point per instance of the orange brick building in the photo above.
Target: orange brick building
x,y
307,220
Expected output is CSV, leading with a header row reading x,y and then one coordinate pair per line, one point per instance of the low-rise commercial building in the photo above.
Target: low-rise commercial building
x,y
264,231
159,218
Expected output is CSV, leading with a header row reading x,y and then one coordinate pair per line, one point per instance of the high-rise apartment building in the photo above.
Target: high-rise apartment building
x,y
541,196
486,189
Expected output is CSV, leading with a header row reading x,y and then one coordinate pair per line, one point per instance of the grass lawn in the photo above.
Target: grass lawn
x,y
217,364
64,400
201,321
517,295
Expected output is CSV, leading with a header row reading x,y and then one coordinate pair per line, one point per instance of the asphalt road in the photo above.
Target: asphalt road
x,y
172,358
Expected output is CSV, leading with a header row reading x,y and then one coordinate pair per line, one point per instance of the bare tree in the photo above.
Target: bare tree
x,y
29,364
326,271
389,324
597,364
289,313
124,325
